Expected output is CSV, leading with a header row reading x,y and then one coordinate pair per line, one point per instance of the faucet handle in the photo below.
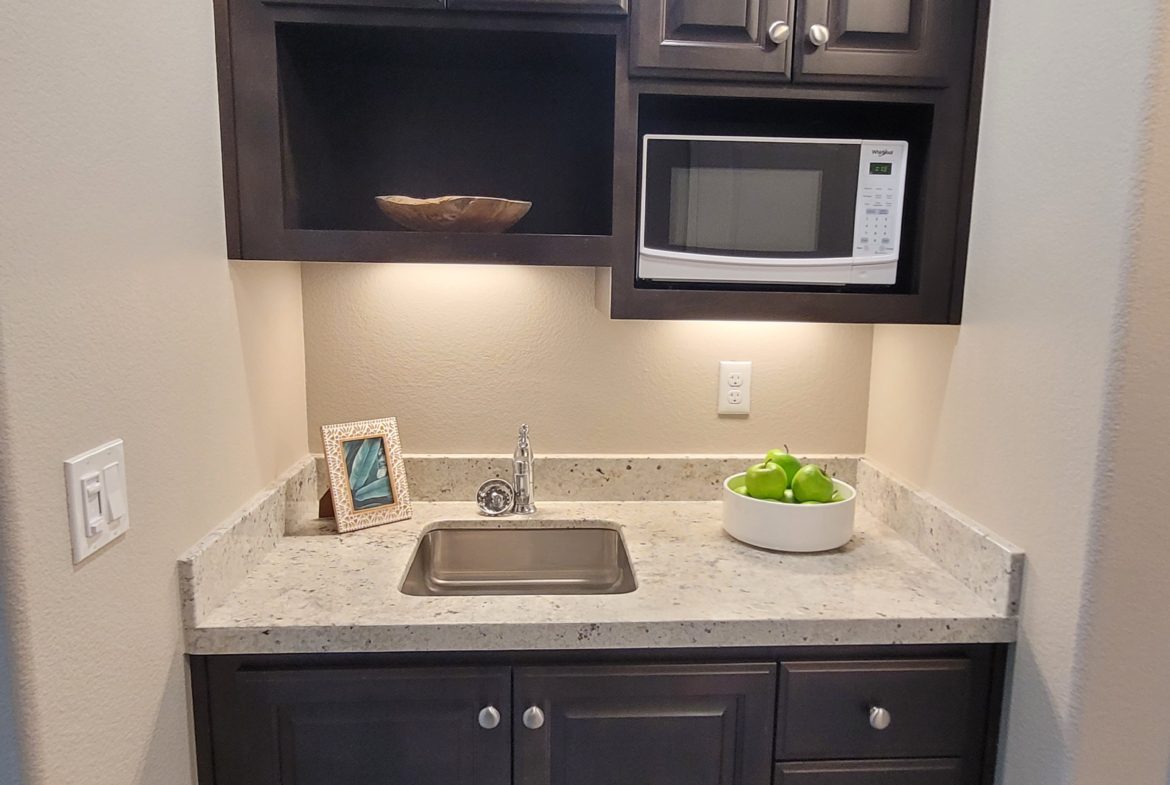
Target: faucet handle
x,y
523,448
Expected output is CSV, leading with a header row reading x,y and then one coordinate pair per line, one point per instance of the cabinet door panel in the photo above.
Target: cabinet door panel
x,y
551,6
924,42
921,772
711,35
646,725
430,5
361,727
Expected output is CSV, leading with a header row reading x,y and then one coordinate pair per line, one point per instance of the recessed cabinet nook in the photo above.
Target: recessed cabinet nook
x,y
327,104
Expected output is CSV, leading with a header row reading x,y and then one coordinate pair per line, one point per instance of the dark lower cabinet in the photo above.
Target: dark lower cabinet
x,y
766,716
908,772
645,725
360,726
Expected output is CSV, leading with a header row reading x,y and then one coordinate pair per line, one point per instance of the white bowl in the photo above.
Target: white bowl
x,y
799,528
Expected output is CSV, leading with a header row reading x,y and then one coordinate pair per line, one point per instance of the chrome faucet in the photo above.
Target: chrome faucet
x,y
522,475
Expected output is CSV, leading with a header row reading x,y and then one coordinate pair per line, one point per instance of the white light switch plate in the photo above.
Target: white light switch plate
x,y
95,489
735,387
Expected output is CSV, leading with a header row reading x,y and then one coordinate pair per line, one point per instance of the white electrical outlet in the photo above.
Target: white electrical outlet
x,y
95,489
735,387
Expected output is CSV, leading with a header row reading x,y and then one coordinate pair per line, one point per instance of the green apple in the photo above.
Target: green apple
x,y
789,498
812,485
766,481
812,502
789,463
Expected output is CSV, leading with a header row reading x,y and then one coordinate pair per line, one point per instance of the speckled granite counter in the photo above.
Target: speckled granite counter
x,y
697,587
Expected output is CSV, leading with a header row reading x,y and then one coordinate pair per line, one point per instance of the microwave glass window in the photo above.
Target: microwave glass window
x,y
761,210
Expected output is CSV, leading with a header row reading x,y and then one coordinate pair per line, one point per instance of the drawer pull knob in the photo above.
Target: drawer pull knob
x,y
489,717
533,718
879,718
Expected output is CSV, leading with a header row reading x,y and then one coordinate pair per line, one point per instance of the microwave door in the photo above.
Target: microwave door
x,y
717,209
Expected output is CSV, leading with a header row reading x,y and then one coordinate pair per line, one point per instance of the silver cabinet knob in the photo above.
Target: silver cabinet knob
x,y
533,718
489,717
778,32
879,718
819,35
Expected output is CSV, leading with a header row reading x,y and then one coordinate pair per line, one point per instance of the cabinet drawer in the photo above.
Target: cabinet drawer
x,y
824,709
870,772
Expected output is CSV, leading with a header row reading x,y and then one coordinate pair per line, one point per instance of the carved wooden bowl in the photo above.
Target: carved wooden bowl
x,y
454,213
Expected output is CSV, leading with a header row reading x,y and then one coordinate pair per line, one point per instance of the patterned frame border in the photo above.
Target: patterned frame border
x,y
349,519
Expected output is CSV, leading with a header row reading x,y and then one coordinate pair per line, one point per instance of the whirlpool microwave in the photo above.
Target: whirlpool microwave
x,y
770,210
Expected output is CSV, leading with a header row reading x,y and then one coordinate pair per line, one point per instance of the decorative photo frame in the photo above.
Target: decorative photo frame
x,y
367,476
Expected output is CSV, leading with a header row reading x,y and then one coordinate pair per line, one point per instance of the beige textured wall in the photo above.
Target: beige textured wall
x,y
1125,730
122,318
1006,416
462,355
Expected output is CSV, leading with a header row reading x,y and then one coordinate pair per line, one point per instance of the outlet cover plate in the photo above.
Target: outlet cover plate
x,y
735,387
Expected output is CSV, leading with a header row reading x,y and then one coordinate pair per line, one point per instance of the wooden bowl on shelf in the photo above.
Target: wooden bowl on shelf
x,y
454,213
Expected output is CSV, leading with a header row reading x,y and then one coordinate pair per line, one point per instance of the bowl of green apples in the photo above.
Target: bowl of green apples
x,y
782,504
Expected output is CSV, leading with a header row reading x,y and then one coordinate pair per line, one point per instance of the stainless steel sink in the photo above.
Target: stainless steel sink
x,y
589,558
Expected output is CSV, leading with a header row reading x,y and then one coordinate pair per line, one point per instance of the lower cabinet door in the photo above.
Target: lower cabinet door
x,y
362,727
644,725
890,772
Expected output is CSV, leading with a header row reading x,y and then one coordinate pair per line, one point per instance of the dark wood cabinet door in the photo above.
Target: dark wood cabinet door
x,y
360,727
712,35
542,6
925,42
902,772
429,5
645,725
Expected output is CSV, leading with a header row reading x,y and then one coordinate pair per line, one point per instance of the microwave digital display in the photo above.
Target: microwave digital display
x,y
881,168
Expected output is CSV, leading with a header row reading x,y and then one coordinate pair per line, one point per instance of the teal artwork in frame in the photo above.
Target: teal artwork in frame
x,y
367,475
369,479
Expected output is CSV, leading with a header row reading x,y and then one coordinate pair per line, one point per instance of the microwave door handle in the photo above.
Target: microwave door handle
x,y
756,261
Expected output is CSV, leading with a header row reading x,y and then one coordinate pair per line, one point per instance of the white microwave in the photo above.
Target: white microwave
x,y
764,210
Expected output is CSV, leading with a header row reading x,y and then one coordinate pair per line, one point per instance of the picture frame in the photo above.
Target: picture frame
x,y
367,475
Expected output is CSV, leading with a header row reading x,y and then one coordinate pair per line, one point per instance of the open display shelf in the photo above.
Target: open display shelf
x,y
424,110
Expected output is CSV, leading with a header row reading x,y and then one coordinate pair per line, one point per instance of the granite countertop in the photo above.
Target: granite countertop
x,y
697,587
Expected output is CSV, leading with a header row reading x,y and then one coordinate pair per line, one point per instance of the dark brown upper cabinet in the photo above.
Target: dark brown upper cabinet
x,y
543,6
916,41
715,36
906,42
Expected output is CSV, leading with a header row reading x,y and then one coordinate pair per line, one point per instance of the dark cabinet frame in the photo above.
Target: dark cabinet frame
x,y
254,154
932,293
556,676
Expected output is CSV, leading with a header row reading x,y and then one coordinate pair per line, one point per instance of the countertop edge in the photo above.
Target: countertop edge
x,y
600,636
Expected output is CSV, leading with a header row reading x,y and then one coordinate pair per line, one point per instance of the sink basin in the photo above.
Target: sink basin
x,y
587,558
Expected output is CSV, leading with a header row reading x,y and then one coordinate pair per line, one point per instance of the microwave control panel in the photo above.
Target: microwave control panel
x,y
881,183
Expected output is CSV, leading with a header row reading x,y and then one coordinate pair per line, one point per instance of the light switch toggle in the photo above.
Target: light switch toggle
x,y
95,514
